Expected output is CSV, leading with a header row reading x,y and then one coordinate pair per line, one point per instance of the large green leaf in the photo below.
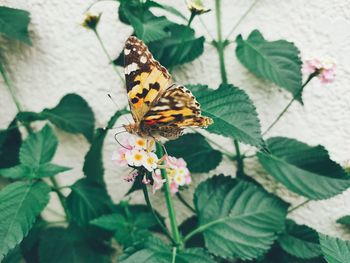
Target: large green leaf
x,y
154,250
300,241
72,114
196,151
88,200
335,250
129,223
345,220
14,23
10,142
277,61
35,155
303,169
237,218
233,112
20,204
93,166
60,245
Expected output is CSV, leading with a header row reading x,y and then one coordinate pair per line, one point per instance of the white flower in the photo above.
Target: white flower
x,y
180,179
138,143
151,161
135,157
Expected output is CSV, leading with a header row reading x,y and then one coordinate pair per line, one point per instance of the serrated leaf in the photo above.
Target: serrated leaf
x,y
303,169
237,218
50,169
72,114
154,250
233,112
10,142
17,172
345,220
39,147
300,241
59,245
93,166
277,61
196,151
88,200
14,24
14,256
20,204
335,250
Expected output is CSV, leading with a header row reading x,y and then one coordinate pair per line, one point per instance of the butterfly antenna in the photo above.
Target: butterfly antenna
x,y
115,137
117,106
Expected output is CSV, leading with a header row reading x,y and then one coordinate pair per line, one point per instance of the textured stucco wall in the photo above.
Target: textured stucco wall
x,y
66,58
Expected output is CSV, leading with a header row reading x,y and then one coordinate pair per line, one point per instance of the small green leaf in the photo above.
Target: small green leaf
x,y
335,250
88,200
50,169
233,112
14,24
39,147
60,245
167,8
10,142
277,61
303,169
196,151
20,204
93,166
72,114
154,250
300,241
345,220
17,172
237,218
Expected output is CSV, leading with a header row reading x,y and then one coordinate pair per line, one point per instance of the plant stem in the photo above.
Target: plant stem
x,y
241,19
311,76
61,197
9,86
239,158
169,201
148,202
193,15
298,206
185,203
110,60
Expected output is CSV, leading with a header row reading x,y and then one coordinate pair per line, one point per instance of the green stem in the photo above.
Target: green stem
x,y
239,158
193,15
169,201
150,207
219,43
60,195
107,55
298,206
9,86
185,203
297,95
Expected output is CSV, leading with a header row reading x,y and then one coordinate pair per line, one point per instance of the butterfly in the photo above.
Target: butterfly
x,y
159,107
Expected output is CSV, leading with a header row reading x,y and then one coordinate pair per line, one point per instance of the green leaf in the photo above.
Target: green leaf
x,y
20,204
345,220
277,61
167,8
93,166
300,241
14,256
50,169
186,227
129,223
88,200
72,114
237,218
17,172
39,147
335,250
59,245
196,151
303,169
154,250
10,142
14,24
233,112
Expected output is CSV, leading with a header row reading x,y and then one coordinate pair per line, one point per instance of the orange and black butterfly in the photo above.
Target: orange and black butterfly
x,y
159,107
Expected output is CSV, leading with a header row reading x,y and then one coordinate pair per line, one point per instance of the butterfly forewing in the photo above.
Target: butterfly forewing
x,y
145,78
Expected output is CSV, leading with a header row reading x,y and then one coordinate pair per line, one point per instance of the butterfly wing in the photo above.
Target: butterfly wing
x,y
176,109
145,78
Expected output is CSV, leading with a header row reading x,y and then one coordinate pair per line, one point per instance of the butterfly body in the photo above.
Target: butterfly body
x,y
159,108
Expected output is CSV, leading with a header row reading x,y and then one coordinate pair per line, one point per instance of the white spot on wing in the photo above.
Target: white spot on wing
x,y
143,59
130,68
127,51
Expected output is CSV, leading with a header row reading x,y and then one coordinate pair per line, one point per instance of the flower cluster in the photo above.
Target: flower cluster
x,y
325,69
139,154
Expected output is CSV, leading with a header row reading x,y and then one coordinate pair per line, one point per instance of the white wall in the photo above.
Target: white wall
x,y
67,58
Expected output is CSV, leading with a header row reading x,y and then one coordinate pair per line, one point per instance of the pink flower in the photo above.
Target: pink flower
x,y
157,180
325,68
178,174
119,157
174,188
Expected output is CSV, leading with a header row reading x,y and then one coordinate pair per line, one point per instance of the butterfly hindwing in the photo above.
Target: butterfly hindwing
x,y
145,78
